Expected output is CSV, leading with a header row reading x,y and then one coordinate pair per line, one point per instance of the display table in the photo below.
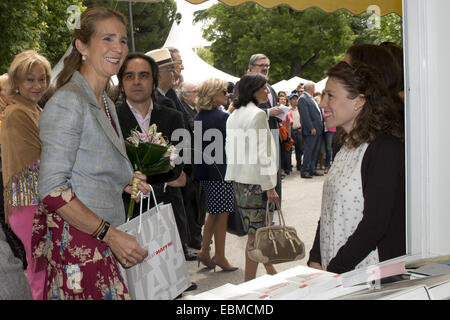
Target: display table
x,y
387,281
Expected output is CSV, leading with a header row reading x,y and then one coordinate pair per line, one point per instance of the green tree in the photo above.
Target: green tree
x,y
37,25
205,54
41,25
151,21
298,43
390,29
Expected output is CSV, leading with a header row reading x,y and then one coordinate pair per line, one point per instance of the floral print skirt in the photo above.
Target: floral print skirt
x,y
251,202
79,267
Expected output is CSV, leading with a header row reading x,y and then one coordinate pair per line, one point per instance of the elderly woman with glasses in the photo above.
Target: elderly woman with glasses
x,y
211,171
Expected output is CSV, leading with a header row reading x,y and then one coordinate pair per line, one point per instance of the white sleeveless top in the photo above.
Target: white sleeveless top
x,y
343,204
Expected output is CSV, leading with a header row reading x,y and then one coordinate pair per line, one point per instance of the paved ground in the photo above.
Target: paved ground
x,y
301,205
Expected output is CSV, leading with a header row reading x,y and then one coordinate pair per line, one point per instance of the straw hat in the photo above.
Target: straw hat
x,y
161,56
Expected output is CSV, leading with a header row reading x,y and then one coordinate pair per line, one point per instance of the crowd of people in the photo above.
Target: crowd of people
x,y
67,179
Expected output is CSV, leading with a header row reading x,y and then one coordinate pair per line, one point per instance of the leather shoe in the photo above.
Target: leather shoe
x,y
317,174
192,287
190,256
306,176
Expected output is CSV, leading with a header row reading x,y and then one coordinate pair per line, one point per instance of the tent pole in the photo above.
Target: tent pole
x,y
130,12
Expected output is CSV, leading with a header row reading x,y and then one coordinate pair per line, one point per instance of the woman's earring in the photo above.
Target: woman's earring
x,y
83,58
17,90
356,108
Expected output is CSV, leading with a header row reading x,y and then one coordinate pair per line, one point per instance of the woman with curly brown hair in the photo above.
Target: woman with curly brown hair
x,y
363,205
388,61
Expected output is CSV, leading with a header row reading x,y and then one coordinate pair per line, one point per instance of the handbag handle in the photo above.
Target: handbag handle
x,y
287,235
280,214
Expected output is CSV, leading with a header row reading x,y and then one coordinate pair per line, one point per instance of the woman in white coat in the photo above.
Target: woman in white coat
x,y
251,159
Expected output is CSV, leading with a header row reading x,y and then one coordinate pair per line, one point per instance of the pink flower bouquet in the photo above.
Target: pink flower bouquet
x,y
150,154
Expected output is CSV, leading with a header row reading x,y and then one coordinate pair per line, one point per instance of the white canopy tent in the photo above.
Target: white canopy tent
x,y
288,85
321,85
185,37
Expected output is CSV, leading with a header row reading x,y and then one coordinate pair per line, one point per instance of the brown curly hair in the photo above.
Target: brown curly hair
x,y
378,116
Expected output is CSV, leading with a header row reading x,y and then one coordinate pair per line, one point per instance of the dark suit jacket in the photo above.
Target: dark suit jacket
x,y
274,122
212,119
310,117
162,100
166,119
171,94
191,115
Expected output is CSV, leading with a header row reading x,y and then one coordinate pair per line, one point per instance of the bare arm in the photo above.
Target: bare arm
x,y
125,247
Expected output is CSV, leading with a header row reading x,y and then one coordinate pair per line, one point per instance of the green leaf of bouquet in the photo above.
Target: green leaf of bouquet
x,y
133,156
162,166
153,153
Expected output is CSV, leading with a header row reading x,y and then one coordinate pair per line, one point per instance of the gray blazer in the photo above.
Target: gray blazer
x,y
81,150
310,117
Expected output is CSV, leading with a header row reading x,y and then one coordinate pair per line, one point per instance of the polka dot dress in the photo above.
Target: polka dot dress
x,y
219,196
343,205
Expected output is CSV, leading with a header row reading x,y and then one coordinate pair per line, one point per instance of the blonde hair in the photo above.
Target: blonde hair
x,y
3,81
22,65
207,90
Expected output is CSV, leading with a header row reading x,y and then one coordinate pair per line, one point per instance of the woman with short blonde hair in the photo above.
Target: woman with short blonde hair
x,y
212,94
208,92
28,78
22,65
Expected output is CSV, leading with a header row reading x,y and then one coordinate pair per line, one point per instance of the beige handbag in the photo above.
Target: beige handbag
x,y
276,244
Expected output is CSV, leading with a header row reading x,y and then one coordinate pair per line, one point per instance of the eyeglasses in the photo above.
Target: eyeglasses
x,y
193,91
178,62
168,69
262,65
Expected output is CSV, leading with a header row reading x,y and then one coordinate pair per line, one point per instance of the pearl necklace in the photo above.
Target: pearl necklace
x,y
106,108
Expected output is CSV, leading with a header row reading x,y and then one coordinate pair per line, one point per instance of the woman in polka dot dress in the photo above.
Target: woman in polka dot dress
x,y
212,94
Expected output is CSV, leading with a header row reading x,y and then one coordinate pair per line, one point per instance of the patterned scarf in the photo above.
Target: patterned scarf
x,y
21,150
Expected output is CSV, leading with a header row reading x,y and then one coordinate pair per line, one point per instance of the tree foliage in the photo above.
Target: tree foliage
x,y
41,25
298,43
38,25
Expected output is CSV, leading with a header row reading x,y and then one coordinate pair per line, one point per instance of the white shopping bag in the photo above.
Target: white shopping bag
x,y
163,275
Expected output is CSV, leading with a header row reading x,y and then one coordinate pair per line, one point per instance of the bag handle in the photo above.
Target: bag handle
x,y
280,214
144,196
287,235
